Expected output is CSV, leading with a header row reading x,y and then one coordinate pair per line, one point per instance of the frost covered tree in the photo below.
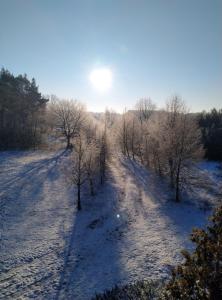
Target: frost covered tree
x,y
144,108
167,141
79,165
92,164
123,133
103,154
181,140
69,117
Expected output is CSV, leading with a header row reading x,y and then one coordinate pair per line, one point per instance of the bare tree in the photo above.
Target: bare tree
x,y
168,141
79,166
123,134
104,150
181,140
145,108
110,118
156,145
92,162
69,116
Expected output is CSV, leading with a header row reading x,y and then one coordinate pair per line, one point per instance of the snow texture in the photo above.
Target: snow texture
x,y
131,230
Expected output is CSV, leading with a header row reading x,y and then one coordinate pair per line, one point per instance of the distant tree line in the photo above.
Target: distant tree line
x,y
211,128
22,110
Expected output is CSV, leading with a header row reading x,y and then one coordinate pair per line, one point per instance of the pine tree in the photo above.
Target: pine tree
x,y
200,276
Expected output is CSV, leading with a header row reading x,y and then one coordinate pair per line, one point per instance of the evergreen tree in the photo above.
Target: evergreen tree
x,y
211,127
21,111
200,276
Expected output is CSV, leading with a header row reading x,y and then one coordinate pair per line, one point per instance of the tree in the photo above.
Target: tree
x,y
103,154
69,117
181,142
92,162
22,110
145,108
156,145
211,128
123,133
200,276
79,169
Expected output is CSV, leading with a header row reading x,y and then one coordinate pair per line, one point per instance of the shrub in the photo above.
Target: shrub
x,y
200,276
141,290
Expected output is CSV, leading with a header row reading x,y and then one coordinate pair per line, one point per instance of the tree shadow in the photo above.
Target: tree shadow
x,y
181,217
92,262
29,228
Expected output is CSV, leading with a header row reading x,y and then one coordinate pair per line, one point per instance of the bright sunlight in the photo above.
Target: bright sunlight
x,y
101,79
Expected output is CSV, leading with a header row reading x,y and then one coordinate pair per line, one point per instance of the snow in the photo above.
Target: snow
x,y
35,220
207,190
129,231
213,170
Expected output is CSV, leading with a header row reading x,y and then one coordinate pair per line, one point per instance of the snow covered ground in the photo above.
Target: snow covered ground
x,y
128,231
35,222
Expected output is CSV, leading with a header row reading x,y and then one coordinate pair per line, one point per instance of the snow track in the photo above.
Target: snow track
x,y
128,231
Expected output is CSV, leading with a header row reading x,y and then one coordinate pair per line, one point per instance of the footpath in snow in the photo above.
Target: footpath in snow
x,y
129,231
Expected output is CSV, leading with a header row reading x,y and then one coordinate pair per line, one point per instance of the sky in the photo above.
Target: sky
x,y
153,48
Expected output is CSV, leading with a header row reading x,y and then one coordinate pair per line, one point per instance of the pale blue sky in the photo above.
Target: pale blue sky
x,y
155,48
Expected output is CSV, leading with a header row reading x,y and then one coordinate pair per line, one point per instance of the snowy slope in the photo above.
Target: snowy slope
x,y
36,215
128,231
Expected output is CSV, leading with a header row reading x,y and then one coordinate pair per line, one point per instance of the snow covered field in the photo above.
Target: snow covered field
x,y
128,231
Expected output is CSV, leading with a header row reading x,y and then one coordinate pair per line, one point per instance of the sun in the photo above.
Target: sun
x,y
101,79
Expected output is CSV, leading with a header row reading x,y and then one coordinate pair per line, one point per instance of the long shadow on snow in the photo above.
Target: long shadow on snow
x,y
92,261
182,217
25,194
32,169
20,193
26,187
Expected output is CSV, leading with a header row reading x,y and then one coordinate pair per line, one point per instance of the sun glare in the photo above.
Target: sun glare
x,y
101,79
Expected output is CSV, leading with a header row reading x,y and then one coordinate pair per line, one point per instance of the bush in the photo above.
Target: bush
x,y
141,290
200,276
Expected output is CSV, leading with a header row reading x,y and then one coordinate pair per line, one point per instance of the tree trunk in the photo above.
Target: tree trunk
x,y
79,207
140,154
147,154
101,176
177,192
171,173
68,142
178,184
91,187
132,142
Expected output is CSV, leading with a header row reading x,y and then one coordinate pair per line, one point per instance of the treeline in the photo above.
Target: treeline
x,y
22,110
167,141
211,128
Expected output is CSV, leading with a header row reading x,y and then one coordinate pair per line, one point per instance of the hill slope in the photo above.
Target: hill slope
x,y
128,231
